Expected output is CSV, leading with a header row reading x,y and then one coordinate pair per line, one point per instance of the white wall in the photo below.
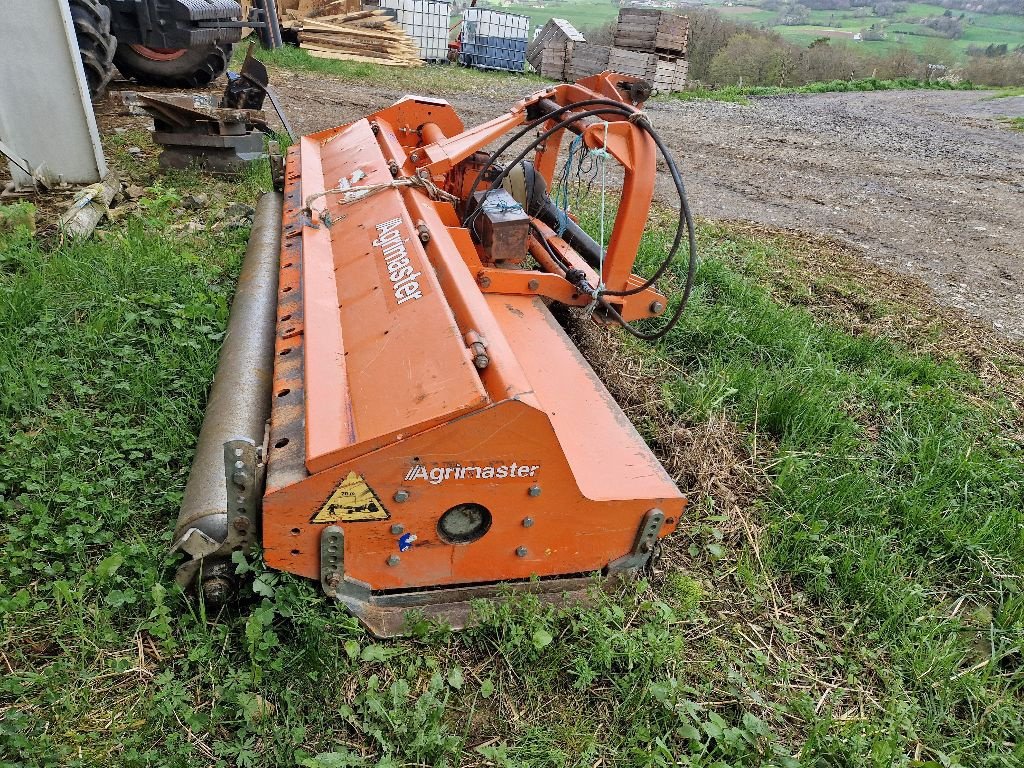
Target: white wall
x,y
45,114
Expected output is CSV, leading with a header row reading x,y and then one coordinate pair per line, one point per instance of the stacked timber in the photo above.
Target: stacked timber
x,y
648,29
302,9
366,36
551,51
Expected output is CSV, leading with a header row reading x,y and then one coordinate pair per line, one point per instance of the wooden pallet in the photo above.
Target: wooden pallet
x,y
648,29
588,60
666,74
551,50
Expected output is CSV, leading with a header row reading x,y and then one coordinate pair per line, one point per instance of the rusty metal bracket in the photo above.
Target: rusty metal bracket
x,y
242,468
351,593
643,545
332,558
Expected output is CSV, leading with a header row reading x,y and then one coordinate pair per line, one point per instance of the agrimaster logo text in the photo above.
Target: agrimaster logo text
x,y
439,473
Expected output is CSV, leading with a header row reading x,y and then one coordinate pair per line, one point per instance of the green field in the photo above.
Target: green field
x,y
581,14
981,29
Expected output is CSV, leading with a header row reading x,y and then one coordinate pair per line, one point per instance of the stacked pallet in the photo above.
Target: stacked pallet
x,y
588,60
365,36
668,75
647,29
665,75
551,51
633,63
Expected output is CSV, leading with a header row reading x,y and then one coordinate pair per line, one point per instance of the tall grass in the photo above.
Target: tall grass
x,y
897,498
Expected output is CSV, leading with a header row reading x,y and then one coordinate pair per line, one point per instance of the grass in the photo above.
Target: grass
x,y
1016,123
427,79
740,94
1006,93
845,592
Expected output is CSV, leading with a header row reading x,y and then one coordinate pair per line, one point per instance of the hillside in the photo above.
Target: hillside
x,y
972,23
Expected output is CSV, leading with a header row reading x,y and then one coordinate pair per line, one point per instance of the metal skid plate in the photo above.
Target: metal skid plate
x,y
385,614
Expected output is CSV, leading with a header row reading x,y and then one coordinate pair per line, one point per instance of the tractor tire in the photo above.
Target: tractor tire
x,y
181,68
95,43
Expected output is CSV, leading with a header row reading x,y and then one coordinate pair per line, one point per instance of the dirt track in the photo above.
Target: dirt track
x,y
927,183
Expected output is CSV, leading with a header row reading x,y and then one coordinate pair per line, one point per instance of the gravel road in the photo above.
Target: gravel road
x,y
928,183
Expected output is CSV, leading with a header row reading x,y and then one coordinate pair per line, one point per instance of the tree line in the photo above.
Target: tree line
x,y
725,52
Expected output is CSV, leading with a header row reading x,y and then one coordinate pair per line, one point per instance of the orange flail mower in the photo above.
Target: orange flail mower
x,y
433,432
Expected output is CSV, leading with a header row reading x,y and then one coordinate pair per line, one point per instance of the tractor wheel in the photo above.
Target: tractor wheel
x,y
95,43
175,68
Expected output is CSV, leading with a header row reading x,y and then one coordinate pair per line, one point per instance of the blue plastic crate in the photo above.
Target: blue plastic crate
x,y
495,53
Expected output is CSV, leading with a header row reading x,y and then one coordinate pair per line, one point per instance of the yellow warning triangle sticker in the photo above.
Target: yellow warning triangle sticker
x,y
352,502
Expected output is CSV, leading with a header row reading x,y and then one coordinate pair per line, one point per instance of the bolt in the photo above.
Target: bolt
x,y
415,157
521,551
645,547
485,281
534,490
375,128
401,496
393,167
333,581
397,528
394,560
423,173
241,523
656,307
527,522
239,478
533,285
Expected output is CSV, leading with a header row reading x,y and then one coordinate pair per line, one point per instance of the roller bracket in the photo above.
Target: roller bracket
x,y
242,469
643,545
353,594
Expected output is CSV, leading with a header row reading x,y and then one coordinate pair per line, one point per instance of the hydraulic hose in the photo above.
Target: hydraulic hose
x,y
685,218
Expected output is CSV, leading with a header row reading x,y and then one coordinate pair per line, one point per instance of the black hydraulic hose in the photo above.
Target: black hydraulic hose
x,y
547,247
612,312
685,219
617,105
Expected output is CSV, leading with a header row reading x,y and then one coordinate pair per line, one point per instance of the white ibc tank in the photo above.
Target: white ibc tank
x,y
426,22
488,23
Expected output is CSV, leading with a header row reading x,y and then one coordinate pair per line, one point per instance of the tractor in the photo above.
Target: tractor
x,y
173,43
